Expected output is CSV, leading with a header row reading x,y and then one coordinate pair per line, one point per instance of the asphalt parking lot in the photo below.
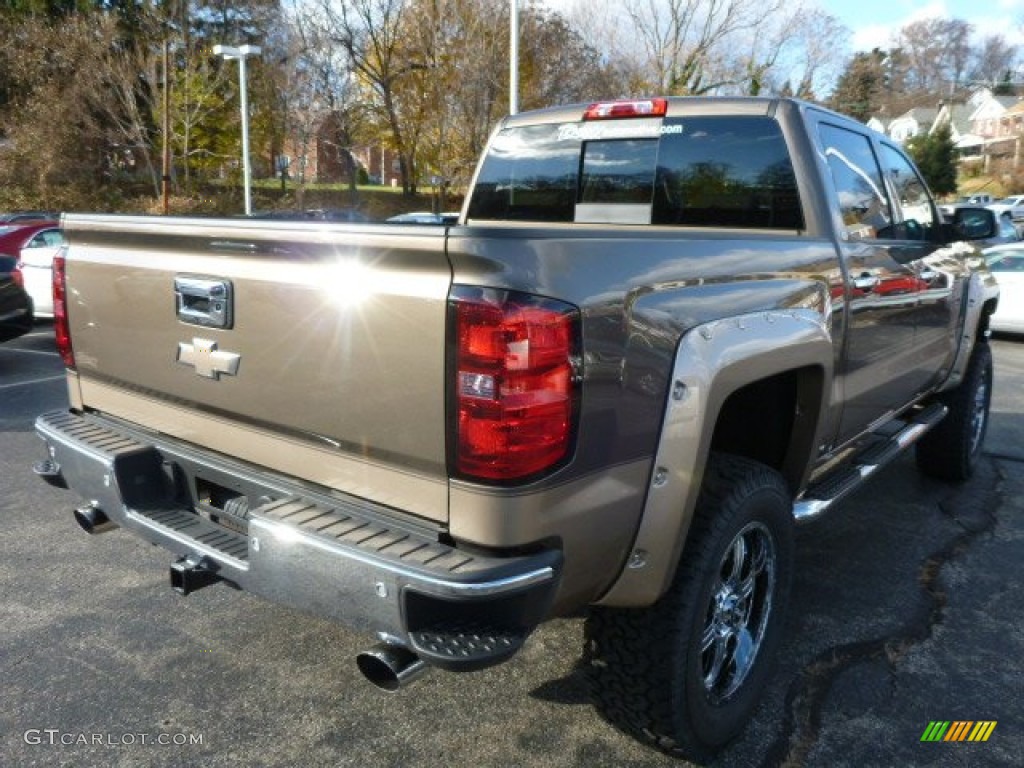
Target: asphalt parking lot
x,y
906,610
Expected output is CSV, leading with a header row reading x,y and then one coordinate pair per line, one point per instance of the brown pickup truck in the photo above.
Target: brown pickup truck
x,y
662,332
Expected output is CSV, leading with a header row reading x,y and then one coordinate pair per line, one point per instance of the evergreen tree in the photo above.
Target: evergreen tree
x,y
1005,86
935,155
858,90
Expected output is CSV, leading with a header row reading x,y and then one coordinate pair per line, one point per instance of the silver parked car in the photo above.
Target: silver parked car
x,y
1013,205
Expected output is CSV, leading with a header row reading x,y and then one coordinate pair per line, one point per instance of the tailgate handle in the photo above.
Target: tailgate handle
x,y
204,301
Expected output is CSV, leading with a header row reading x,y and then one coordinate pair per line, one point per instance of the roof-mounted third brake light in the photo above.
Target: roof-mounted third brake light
x,y
610,110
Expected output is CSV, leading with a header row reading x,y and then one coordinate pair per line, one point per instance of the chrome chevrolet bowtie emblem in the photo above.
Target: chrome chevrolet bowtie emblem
x,y
203,355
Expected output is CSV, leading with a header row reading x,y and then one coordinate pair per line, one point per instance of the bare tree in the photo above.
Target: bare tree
x,y
552,47
454,97
475,93
696,47
760,52
606,26
995,60
937,54
686,42
817,40
369,33
315,90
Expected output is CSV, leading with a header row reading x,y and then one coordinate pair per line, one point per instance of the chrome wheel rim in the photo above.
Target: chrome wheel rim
x,y
738,610
979,412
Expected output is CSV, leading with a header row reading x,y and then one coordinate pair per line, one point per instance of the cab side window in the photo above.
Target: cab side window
x,y
732,171
48,238
912,197
867,213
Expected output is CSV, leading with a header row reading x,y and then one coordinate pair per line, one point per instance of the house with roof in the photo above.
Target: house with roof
x,y
913,122
987,113
958,118
1011,122
879,123
325,154
1009,135
999,122
987,127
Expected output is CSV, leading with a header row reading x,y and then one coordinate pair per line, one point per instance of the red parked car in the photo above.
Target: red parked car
x,y
14,237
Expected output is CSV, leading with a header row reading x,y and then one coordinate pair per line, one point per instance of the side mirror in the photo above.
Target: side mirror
x,y
974,223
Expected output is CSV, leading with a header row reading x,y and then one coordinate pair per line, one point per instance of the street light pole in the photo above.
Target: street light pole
x,y
241,53
165,174
513,59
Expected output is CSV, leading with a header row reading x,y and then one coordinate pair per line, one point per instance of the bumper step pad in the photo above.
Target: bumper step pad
x,y
465,645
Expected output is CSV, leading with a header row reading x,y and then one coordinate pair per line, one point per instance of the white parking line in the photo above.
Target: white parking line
x,y
30,351
31,381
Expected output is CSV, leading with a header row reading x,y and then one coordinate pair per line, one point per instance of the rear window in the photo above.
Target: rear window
x,y
696,172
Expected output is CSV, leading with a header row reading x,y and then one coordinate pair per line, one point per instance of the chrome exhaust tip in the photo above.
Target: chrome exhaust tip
x,y
390,667
92,519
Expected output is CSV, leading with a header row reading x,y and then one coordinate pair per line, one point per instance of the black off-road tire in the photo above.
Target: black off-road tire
x,y
647,667
951,450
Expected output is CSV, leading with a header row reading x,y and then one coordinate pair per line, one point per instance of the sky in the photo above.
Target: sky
x,y
874,22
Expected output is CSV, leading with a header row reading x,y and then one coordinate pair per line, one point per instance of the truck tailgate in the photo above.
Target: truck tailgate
x,y
316,351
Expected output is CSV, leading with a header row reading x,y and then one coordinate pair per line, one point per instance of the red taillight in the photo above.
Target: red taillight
x,y
514,383
610,110
17,277
60,312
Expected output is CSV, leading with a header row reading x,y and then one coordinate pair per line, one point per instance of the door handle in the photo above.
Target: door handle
x,y
204,301
866,282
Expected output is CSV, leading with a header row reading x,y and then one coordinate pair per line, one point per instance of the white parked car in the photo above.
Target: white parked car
x,y
36,262
1013,205
1007,264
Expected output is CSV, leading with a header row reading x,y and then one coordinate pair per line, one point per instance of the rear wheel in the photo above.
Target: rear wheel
x,y
952,449
685,674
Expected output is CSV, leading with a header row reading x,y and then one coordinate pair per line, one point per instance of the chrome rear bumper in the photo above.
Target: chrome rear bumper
x,y
335,556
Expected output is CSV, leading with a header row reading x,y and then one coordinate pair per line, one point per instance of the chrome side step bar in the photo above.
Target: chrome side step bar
x,y
840,482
